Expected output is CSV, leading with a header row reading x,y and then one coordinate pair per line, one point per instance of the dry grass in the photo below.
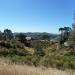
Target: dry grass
x,y
7,68
30,70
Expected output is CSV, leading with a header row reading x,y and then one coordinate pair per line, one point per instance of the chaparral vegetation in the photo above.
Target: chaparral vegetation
x,y
39,49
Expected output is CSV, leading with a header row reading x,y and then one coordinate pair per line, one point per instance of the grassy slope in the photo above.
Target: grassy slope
x,y
63,58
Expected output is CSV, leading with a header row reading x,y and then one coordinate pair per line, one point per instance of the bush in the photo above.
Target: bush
x,y
5,44
58,61
38,49
22,52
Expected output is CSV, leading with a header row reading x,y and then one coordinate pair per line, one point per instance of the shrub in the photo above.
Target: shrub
x,y
22,52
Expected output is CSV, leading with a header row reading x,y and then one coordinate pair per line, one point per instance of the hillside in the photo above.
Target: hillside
x,y
38,51
36,35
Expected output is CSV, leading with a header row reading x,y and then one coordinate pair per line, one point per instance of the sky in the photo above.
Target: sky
x,y
36,15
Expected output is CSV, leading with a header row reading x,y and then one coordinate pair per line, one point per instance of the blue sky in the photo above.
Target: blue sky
x,y
36,15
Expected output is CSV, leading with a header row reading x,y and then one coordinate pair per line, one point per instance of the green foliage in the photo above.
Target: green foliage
x,y
1,35
22,52
12,47
5,44
7,34
38,49
65,33
16,44
42,43
60,59
21,37
72,35
7,52
44,53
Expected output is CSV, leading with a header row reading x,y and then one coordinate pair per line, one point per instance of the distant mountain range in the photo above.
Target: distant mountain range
x,y
36,35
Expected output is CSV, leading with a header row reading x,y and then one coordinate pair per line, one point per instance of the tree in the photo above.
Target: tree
x,y
72,34
1,35
7,34
21,37
65,32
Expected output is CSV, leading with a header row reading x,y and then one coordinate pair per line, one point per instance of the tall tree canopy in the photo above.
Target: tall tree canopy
x,y
8,34
65,32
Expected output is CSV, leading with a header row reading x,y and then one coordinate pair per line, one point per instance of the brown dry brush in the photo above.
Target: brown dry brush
x,y
14,69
